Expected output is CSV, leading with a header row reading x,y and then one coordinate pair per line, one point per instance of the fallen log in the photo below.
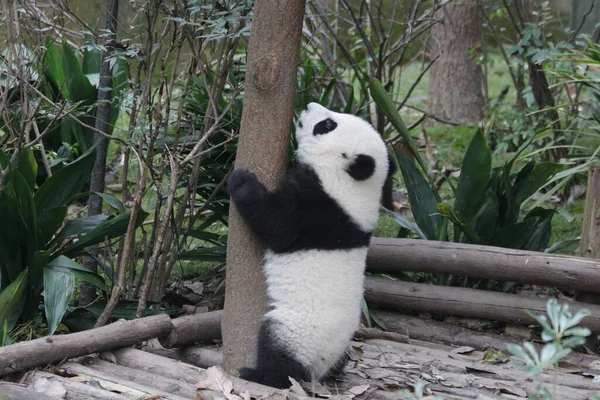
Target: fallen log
x,y
429,330
24,355
193,328
143,361
465,302
487,262
77,389
203,358
15,391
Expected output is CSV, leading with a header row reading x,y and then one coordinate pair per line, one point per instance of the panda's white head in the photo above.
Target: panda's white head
x,y
348,155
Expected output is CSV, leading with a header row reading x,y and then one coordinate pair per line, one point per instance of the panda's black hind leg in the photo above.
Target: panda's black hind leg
x,y
338,368
274,364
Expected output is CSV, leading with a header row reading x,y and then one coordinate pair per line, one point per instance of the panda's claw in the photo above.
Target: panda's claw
x,y
242,183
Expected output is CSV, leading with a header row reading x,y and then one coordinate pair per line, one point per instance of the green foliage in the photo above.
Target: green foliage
x,y
72,80
487,201
561,334
34,248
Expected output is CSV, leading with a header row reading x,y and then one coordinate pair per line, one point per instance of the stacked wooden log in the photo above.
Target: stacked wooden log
x,y
386,256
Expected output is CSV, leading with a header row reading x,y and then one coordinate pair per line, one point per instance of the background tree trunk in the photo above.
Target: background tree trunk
x,y
88,292
455,80
263,149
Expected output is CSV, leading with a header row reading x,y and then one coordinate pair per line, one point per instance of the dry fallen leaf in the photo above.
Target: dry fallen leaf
x,y
357,390
493,356
462,350
297,388
378,373
216,379
50,387
511,389
569,368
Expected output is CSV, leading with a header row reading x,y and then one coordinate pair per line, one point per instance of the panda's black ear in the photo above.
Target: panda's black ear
x,y
392,167
362,167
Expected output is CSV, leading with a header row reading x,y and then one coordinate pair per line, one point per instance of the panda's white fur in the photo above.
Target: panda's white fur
x,y
317,226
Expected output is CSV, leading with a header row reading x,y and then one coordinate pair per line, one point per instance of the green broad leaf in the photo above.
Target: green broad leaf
x,y
79,320
423,200
36,273
58,288
563,244
91,57
537,176
80,134
108,229
119,85
4,334
11,300
61,187
540,233
510,210
54,67
112,201
126,309
350,102
327,93
470,235
80,272
27,167
383,100
486,218
12,239
514,236
475,175
48,223
210,237
79,226
404,222
25,207
212,254
4,160
79,88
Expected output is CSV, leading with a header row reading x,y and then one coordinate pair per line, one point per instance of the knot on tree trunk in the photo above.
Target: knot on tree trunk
x,y
267,73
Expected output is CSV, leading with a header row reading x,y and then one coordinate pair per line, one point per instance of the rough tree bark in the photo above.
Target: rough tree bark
x,y
590,239
455,80
263,149
88,292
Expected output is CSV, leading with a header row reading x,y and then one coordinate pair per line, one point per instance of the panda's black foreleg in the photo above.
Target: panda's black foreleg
x,y
250,198
262,211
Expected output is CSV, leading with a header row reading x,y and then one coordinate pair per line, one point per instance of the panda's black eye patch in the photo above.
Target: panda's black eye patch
x,y
300,124
325,126
362,167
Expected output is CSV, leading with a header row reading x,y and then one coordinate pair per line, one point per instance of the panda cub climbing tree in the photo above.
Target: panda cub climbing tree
x,y
317,226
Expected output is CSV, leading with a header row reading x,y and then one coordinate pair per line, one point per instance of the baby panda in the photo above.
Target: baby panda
x,y
316,225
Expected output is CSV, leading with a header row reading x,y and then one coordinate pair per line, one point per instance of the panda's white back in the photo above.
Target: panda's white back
x,y
318,292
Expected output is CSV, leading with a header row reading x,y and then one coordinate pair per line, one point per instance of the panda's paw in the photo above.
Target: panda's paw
x,y
242,184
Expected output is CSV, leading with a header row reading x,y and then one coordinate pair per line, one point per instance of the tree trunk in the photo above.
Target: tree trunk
x,y
590,239
88,292
263,149
455,80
